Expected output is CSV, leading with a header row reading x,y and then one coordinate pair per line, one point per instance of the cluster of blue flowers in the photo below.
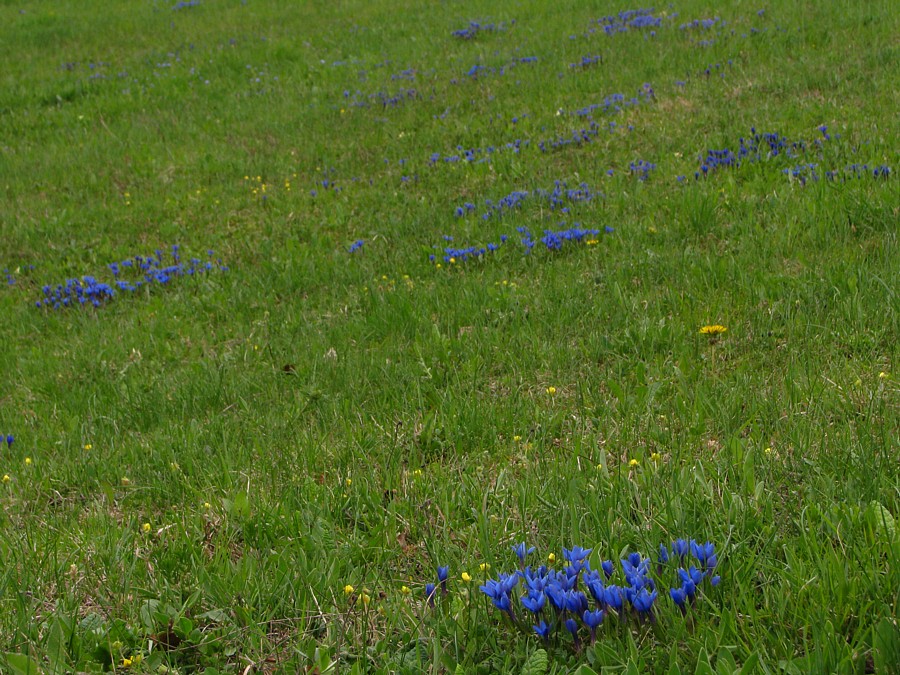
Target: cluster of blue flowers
x,y
356,245
614,103
758,146
381,98
641,168
479,70
577,598
807,172
9,438
129,276
631,19
474,29
558,198
185,4
476,155
587,62
705,24
553,240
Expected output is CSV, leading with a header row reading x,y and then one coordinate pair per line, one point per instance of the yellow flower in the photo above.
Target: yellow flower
x,y
551,390
88,446
551,558
713,330
465,577
207,506
145,528
365,598
883,375
769,451
174,466
348,589
126,481
452,261
349,482
633,463
517,438
126,663
28,461
417,473
405,590
484,567
6,478
656,457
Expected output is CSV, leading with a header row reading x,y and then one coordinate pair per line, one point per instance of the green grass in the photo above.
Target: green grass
x,y
313,418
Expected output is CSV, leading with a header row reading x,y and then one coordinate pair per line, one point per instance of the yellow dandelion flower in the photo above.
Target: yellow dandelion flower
x,y
145,528
405,590
551,390
516,438
126,663
465,577
484,567
88,446
438,265
452,261
349,482
28,461
207,506
633,463
348,589
883,375
715,329
6,478
551,558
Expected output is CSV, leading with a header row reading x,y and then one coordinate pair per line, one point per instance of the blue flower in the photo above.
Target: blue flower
x,y
10,439
543,630
704,553
643,601
572,627
429,593
443,573
715,580
534,604
679,597
612,596
593,620
680,548
521,551
576,553
663,554
607,566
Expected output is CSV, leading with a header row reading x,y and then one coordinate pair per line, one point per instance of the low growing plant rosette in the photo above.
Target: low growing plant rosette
x,y
567,607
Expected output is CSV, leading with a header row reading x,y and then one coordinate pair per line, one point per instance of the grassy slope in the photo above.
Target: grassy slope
x,y
439,372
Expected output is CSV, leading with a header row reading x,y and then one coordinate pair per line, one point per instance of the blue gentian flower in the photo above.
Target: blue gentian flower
x,y
612,597
607,566
443,573
10,439
643,601
572,627
679,597
715,580
593,620
543,630
680,548
576,553
429,593
534,604
521,551
704,553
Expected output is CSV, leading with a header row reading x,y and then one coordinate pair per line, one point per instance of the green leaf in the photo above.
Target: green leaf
x,y
21,664
882,520
536,663
751,664
886,646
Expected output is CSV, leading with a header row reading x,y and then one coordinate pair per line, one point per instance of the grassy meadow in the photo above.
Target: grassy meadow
x,y
302,301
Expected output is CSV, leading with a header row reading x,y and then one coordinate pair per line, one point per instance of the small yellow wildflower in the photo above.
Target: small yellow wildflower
x,y
769,451
599,467
452,261
484,567
126,663
349,482
517,438
858,382
348,589
465,577
145,528
438,265
656,457
28,461
551,558
715,329
126,481
551,390
174,466
883,375
88,446
633,463
207,506
405,590
365,598
6,478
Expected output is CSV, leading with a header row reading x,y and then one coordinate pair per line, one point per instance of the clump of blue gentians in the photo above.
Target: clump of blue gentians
x,y
569,605
128,276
